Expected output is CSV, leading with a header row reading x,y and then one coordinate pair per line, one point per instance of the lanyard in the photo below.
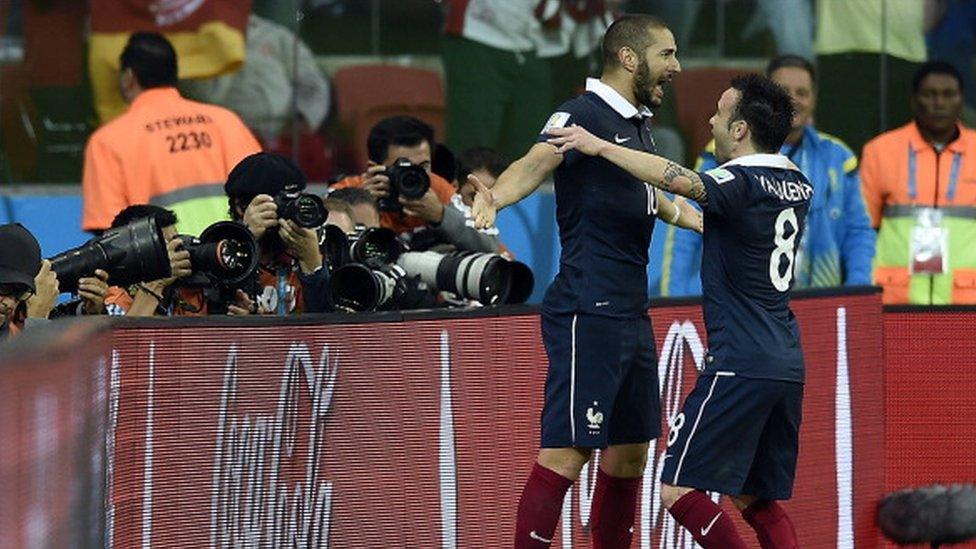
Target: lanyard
x,y
913,177
282,276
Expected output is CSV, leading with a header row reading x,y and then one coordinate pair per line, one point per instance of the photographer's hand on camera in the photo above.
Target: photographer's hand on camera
x,y
261,214
484,208
179,261
376,181
427,207
303,245
42,302
92,291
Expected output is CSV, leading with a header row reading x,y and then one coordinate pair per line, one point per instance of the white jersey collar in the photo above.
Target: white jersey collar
x,y
616,101
761,160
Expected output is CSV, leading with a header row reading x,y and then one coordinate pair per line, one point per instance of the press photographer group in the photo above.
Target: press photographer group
x,y
284,251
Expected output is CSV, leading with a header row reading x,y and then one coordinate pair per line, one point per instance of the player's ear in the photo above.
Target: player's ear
x,y
627,58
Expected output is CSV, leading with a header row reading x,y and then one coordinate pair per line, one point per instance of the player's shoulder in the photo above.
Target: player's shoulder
x,y
577,111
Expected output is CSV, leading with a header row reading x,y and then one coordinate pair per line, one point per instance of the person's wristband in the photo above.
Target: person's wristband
x,y
676,216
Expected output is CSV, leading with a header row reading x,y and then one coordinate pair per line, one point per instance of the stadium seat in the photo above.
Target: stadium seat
x,y
696,92
365,94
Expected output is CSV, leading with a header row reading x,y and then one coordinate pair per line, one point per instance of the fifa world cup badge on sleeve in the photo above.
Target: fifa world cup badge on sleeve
x,y
721,175
557,120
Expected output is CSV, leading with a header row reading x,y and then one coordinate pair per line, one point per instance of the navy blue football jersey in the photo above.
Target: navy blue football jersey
x,y
605,215
754,218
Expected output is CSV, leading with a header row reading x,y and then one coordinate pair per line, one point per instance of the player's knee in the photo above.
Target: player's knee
x,y
671,494
742,502
624,461
566,461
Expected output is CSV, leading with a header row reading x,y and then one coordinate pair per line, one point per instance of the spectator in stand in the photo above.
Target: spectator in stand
x,y
364,209
855,40
498,77
291,277
919,183
165,150
838,244
28,287
279,67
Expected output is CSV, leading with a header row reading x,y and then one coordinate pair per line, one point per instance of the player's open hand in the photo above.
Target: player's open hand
x,y
695,219
484,209
576,138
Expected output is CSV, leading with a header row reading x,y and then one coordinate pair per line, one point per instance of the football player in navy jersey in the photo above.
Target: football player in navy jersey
x,y
737,433
601,388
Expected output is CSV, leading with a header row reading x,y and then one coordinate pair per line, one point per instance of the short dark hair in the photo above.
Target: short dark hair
x,y
480,158
352,196
402,131
935,67
152,58
766,107
163,217
629,31
791,61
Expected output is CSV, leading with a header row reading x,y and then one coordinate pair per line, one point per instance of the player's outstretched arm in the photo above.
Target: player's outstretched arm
x,y
678,212
518,181
656,170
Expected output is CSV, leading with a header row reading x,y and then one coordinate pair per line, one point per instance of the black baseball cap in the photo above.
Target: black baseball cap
x,y
263,173
20,256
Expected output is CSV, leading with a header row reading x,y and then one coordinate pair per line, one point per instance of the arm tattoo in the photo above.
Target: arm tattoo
x,y
697,190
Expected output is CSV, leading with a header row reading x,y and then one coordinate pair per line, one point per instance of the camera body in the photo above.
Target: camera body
x,y
407,180
305,209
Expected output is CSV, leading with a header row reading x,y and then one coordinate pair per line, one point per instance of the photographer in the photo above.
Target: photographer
x,y
157,297
364,208
291,275
28,288
402,137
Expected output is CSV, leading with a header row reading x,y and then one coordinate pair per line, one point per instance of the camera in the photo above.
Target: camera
x,y
225,253
133,253
488,278
224,258
305,209
406,179
357,287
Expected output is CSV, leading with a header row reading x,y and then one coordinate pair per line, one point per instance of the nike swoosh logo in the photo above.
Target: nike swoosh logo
x,y
535,536
707,529
619,139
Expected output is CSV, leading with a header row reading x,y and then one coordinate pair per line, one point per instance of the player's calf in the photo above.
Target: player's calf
x,y
542,496
772,525
708,523
615,495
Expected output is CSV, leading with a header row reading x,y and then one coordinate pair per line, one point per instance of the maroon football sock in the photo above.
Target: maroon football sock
x,y
708,523
539,508
772,525
614,506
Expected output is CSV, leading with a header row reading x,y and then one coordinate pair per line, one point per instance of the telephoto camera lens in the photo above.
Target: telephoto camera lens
x,y
357,288
376,246
226,252
130,254
470,275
